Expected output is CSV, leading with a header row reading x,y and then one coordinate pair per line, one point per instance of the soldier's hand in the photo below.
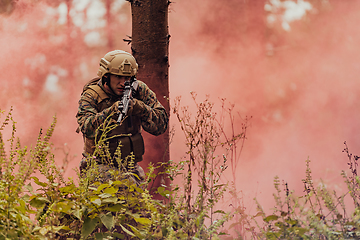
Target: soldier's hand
x,y
115,107
136,107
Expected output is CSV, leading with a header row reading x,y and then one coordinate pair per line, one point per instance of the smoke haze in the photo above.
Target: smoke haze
x,y
300,85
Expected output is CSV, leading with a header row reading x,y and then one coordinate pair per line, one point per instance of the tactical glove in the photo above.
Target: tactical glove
x,y
114,108
136,107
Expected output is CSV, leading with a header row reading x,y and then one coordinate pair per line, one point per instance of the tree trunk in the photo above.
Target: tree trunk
x,y
150,47
7,6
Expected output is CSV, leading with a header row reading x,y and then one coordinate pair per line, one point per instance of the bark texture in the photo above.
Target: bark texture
x,y
150,47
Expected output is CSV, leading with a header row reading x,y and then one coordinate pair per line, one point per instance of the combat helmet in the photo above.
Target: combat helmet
x,y
118,62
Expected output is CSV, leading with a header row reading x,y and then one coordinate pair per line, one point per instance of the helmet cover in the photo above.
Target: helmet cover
x,y
118,62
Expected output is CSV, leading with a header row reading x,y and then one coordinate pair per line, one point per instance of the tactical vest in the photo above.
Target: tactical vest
x,y
131,127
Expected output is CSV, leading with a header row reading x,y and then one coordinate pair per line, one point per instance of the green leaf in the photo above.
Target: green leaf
x,y
96,201
197,222
36,229
101,236
300,231
220,211
280,225
111,190
110,200
26,197
64,207
118,235
68,189
126,231
291,222
131,214
89,226
77,213
105,195
117,182
22,206
29,187
37,181
143,221
271,218
115,208
107,220
137,232
102,186
38,202
134,187
161,190
58,228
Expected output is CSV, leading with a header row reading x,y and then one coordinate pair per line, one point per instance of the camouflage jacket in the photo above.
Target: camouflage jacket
x,y
154,118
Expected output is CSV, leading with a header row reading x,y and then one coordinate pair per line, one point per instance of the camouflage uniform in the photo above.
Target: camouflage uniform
x,y
96,104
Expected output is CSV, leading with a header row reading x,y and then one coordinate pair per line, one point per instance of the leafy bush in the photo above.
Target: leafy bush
x,y
15,221
38,203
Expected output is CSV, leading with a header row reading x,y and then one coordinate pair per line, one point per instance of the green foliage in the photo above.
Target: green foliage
x,y
16,169
318,214
38,203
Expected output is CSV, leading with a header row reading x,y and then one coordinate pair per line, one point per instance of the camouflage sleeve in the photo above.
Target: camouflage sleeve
x,y
154,118
88,118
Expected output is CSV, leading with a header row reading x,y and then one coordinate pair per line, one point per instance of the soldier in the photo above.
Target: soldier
x,y
100,101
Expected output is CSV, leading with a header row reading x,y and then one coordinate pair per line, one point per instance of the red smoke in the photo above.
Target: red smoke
x,y
44,64
300,87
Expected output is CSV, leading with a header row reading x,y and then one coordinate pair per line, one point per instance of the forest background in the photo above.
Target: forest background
x,y
290,65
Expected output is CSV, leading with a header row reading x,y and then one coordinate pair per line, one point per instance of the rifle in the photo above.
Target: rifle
x,y
129,90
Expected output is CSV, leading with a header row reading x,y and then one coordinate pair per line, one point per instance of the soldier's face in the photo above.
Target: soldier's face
x,y
117,83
